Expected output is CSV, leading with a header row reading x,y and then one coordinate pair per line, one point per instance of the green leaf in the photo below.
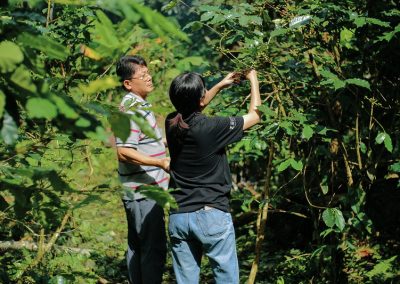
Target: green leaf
x,y
297,165
287,126
99,85
193,26
160,196
10,56
378,22
48,46
278,32
395,167
359,82
339,220
82,122
284,165
329,217
382,270
120,125
22,78
64,107
207,16
2,103
346,35
266,110
307,132
332,79
363,148
158,23
333,217
41,108
380,137
9,131
388,143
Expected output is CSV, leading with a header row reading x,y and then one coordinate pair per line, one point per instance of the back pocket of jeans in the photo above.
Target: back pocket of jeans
x,y
213,222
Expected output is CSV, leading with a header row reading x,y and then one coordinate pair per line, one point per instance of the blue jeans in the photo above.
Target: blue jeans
x,y
209,230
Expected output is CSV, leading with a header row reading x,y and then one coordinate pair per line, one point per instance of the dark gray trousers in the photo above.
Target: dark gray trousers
x,y
147,242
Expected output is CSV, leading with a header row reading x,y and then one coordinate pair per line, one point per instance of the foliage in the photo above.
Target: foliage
x,y
330,90
58,101
330,93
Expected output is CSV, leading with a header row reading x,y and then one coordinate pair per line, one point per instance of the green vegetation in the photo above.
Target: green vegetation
x,y
316,185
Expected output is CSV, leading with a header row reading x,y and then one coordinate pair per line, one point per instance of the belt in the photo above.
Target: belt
x,y
206,207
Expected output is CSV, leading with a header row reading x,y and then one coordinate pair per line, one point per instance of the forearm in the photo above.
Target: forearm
x,y
132,156
255,99
253,116
210,94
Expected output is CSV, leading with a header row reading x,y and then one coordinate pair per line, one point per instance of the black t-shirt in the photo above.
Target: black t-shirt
x,y
199,166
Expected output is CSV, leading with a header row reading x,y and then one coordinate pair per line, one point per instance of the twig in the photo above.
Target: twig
x,y
358,142
262,216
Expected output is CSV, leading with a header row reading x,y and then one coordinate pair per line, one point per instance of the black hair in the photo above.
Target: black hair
x,y
127,66
185,93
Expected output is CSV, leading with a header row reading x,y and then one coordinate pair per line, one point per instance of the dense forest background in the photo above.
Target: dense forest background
x,y
316,185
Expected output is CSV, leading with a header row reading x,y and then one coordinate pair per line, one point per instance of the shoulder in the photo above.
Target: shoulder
x,y
127,102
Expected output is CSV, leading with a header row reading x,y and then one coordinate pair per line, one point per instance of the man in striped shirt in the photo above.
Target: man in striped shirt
x,y
142,161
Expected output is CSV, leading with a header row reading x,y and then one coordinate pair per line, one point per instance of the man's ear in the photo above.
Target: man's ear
x,y
127,85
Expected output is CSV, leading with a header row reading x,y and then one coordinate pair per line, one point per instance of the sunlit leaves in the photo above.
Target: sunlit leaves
x,y
158,23
159,195
99,85
10,56
50,47
64,107
22,78
41,108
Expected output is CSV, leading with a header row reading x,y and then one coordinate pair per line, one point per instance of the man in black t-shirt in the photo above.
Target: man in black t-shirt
x,y
199,170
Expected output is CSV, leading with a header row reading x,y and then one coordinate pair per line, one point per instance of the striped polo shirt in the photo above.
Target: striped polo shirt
x,y
132,175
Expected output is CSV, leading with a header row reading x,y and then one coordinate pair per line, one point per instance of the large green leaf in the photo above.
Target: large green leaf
x,y
329,217
99,85
307,132
333,217
158,23
284,165
159,195
120,125
50,47
10,56
297,165
22,78
384,137
41,108
388,144
9,130
359,82
64,107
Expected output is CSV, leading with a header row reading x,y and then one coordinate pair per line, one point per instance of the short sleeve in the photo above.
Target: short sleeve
x,y
133,139
227,130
